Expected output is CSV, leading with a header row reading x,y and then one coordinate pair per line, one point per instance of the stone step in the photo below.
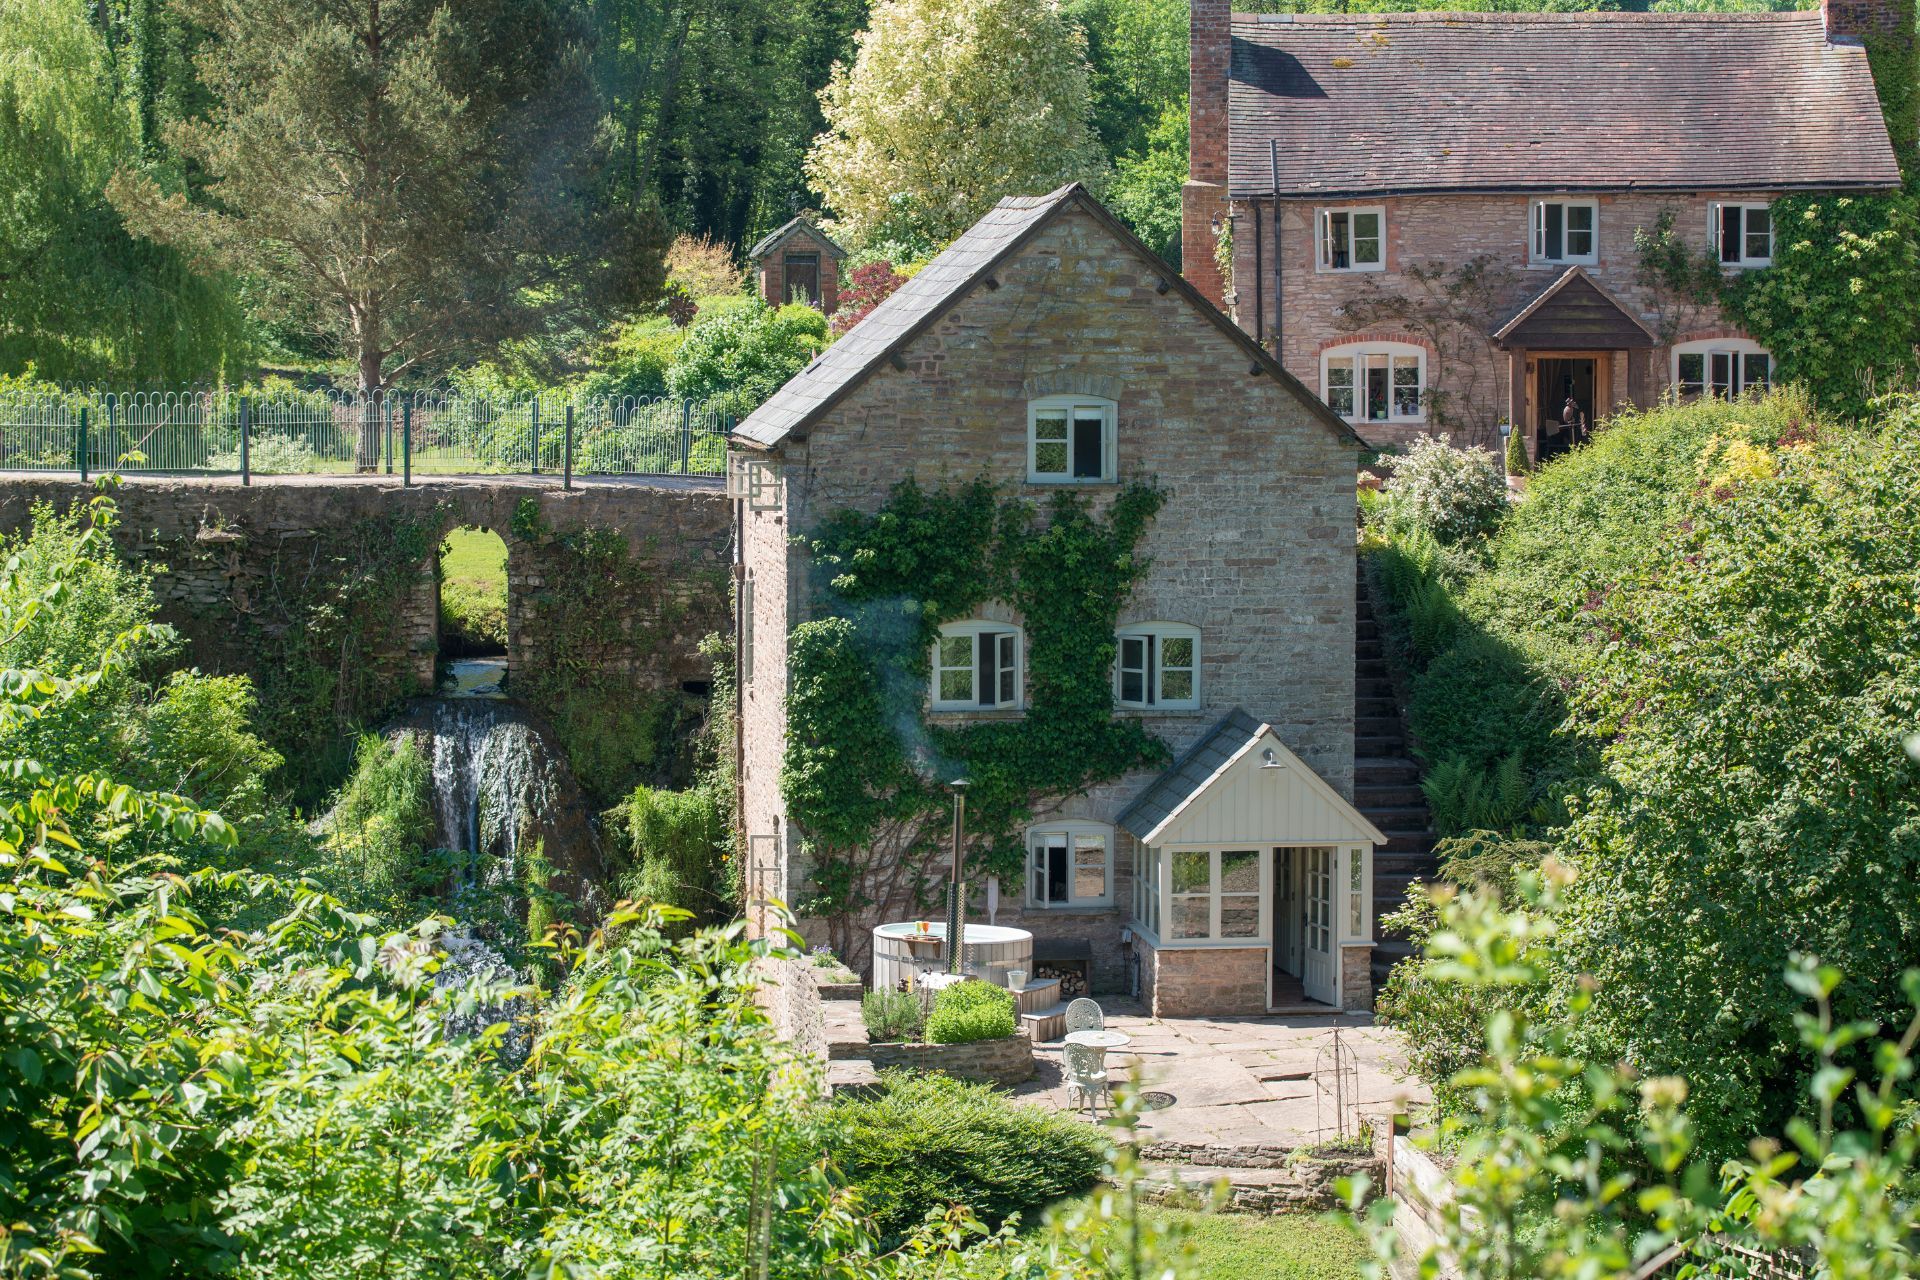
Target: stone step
x,y
1378,727
1392,818
1366,685
1377,744
1387,795
851,1075
1376,707
1381,770
1407,842
1404,864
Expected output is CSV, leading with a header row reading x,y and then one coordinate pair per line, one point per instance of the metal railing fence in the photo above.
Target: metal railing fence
x,y
283,431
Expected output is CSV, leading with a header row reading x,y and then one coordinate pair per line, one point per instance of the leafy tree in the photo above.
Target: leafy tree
x,y
415,175
950,105
866,288
1137,59
80,298
1145,193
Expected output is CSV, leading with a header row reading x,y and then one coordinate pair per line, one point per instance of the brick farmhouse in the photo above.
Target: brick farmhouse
x,y
1431,217
1046,348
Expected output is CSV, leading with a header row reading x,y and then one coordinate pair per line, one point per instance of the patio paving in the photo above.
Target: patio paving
x,y
1241,1081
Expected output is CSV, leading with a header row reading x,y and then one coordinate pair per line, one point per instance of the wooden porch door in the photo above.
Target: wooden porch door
x,y
1319,972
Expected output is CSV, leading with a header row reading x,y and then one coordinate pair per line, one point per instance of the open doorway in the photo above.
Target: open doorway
x,y
473,614
1303,953
1564,380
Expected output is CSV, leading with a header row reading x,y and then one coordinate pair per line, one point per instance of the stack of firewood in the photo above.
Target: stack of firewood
x,y
1073,979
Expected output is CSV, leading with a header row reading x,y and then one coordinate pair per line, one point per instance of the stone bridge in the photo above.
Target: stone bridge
x,y
611,584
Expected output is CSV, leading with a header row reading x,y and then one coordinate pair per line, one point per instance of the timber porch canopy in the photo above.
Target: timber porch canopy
x,y
1575,313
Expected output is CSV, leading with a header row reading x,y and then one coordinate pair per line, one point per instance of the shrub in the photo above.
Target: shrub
x,y
269,455
969,1011
1462,796
1517,463
676,844
867,287
891,1016
1483,698
382,823
704,267
930,1141
735,359
1452,494
633,363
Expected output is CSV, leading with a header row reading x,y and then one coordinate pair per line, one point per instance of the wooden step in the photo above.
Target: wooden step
x,y
1043,1025
1038,996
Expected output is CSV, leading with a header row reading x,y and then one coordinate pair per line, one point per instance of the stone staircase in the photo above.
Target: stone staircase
x,y
1386,783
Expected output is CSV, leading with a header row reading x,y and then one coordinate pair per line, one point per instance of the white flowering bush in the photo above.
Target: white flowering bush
x,y
1454,494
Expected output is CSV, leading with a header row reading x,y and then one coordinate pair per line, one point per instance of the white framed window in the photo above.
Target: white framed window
x,y
1566,231
1157,665
1741,235
1214,895
1375,382
1071,440
1070,865
977,667
1724,368
1352,239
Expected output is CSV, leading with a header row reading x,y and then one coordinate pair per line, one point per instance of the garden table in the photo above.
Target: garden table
x,y
1100,1039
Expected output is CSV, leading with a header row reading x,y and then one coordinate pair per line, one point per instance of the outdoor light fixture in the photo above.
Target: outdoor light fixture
x,y
1268,760
957,888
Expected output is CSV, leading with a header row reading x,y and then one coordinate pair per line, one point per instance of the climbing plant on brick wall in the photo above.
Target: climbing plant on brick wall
x,y
865,768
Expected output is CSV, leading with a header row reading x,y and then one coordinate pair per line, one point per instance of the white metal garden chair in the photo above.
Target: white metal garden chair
x,y
1085,1015
1086,1076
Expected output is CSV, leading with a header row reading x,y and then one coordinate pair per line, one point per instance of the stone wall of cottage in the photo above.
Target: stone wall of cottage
x,y
1254,545
226,554
1198,982
772,846
1454,229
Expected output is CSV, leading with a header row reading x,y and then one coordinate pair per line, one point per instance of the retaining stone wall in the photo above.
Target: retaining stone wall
x,y
1007,1061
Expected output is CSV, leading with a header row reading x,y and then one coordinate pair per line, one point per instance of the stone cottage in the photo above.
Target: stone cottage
x,y
1047,347
1358,163
798,260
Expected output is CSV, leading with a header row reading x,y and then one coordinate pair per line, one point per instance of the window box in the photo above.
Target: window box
x,y
1565,232
977,666
1071,440
1741,235
1070,865
1352,239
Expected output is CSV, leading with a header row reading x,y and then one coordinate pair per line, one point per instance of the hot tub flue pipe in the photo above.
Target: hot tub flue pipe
x,y
957,887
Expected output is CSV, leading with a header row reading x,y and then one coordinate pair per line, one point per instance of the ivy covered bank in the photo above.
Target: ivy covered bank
x,y
1048,521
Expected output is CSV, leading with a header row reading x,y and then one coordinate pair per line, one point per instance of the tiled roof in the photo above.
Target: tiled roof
x,y
1190,774
1576,311
923,299
794,226
1409,102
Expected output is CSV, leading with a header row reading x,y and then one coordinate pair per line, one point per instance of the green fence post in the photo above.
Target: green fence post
x,y
533,437
567,453
406,443
246,442
386,415
686,434
83,444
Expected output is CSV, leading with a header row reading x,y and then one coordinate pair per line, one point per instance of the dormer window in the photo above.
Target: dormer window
x,y
1071,440
1158,666
976,667
1566,231
1741,235
1353,239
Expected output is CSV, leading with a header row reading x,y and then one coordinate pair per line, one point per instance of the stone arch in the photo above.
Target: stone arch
x,y
1075,382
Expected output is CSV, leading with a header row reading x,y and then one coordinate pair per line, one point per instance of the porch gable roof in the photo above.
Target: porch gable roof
x,y
1227,789
1575,313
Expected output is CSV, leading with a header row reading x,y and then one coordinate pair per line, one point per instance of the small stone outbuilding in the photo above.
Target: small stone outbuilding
x,y
798,259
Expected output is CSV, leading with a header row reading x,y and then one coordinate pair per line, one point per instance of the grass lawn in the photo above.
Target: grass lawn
x,y
1238,1246
473,591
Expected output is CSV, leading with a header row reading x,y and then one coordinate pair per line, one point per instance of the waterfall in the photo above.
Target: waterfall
x,y
502,791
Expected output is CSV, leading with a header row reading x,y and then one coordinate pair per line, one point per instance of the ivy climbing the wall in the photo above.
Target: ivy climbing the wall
x,y
865,769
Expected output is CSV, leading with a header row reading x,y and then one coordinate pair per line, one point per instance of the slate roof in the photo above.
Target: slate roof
x,y
790,227
1189,775
922,300
1335,104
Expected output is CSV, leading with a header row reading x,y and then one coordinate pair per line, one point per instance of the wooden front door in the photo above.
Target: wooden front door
x,y
1585,377
803,278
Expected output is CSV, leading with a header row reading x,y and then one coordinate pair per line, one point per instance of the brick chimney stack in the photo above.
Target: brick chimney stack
x,y
1860,19
1203,199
